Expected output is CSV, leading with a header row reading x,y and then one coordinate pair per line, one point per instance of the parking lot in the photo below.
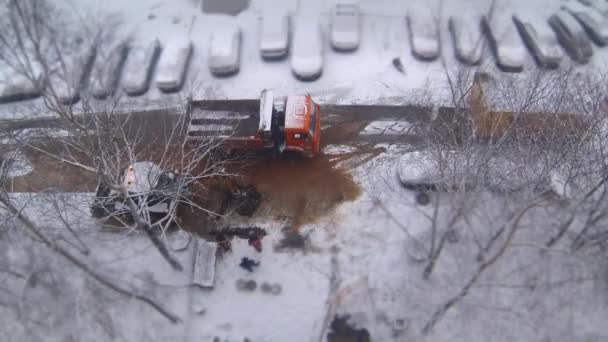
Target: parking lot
x,y
163,53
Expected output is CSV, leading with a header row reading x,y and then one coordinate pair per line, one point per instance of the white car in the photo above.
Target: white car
x,y
225,51
540,40
173,65
139,67
274,36
345,26
307,51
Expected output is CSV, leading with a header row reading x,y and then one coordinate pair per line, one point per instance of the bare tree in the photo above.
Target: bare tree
x,y
93,141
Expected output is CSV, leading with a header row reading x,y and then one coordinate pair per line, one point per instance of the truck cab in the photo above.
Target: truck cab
x,y
302,128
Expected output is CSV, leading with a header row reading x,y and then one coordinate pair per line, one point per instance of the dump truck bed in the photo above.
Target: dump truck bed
x,y
234,118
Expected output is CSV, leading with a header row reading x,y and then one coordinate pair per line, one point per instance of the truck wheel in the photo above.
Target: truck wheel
x,y
423,198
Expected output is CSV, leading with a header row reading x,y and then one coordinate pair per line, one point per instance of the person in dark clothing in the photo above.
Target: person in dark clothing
x,y
248,264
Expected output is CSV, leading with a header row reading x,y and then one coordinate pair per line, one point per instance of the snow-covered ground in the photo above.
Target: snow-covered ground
x,y
364,260
363,76
364,256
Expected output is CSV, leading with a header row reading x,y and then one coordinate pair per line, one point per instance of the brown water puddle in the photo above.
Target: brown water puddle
x,y
299,188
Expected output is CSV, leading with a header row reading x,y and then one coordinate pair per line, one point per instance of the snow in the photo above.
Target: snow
x,y
221,41
15,85
173,64
377,242
387,127
367,247
26,134
203,269
219,115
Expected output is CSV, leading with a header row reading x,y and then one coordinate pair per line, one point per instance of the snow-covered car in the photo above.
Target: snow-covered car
x,y
225,51
274,36
151,189
71,74
173,65
540,40
139,67
467,38
107,69
599,5
423,34
15,87
345,25
571,36
423,171
505,43
594,23
307,53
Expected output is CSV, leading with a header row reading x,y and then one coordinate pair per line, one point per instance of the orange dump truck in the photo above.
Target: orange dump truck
x,y
269,123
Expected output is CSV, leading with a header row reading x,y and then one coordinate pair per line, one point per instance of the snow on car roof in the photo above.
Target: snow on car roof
x,y
221,40
141,176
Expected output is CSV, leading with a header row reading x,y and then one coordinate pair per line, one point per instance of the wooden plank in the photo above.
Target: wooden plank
x,y
203,263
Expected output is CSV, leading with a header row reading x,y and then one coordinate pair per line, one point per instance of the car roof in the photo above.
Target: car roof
x,y
221,40
274,23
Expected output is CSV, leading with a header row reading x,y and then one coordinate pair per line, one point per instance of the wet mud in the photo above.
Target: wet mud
x,y
298,188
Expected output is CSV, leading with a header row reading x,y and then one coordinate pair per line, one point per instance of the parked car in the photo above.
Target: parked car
x,y
571,36
307,53
594,23
173,65
467,39
274,36
107,70
140,67
225,51
541,41
345,25
423,34
505,44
